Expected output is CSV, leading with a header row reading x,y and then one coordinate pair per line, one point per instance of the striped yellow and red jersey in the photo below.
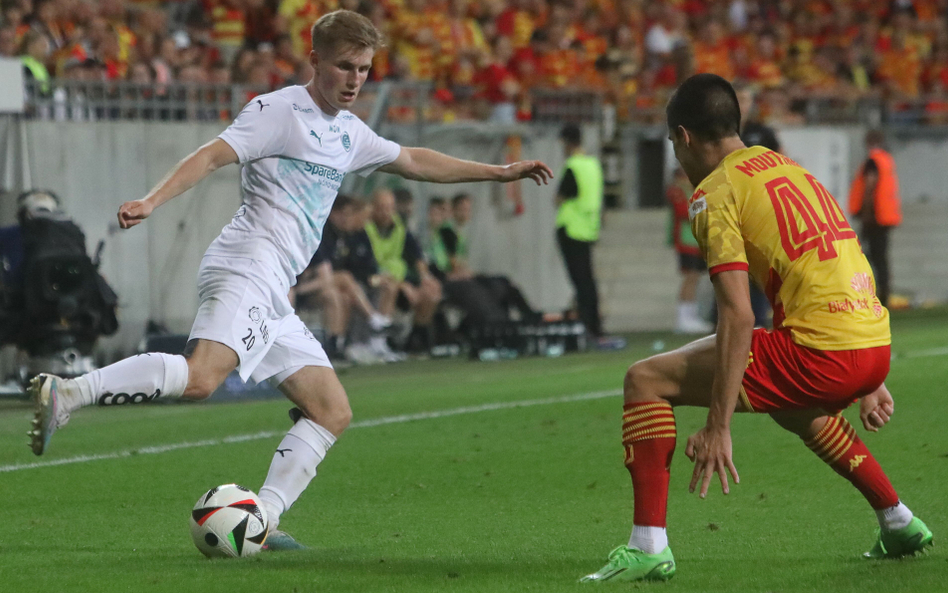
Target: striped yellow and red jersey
x,y
761,212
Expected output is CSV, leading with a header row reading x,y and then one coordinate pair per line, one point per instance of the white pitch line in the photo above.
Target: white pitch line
x,y
924,353
157,449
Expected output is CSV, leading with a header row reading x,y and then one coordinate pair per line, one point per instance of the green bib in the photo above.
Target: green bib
x,y
436,251
388,250
38,70
580,216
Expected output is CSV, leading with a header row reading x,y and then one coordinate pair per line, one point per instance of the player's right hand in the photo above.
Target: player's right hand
x,y
876,409
132,213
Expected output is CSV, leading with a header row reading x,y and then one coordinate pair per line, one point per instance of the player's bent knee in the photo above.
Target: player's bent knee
x,y
334,415
636,386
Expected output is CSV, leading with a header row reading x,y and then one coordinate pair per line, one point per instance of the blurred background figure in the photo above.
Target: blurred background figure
x,y
329,285
405,207
403,267
874,201
54,304
690,263
579,198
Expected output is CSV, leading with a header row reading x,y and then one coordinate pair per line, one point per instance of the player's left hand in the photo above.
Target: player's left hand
x,y
710,450
535,170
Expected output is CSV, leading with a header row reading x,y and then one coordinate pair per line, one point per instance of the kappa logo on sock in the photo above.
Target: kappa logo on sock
x,y
281,451
118,399
855,461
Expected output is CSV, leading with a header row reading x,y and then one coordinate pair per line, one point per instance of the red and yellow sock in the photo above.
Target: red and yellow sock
x,y
648,435
838,445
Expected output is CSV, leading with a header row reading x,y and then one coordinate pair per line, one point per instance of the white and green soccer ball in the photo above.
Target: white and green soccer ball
x,y
229,522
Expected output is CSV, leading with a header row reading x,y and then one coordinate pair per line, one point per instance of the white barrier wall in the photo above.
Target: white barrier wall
x,y
95,167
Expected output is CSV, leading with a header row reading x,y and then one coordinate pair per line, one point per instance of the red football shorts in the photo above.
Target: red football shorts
x,y
782,375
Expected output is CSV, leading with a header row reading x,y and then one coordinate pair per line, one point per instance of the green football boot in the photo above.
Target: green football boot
x,y
628,564
914,537
281,541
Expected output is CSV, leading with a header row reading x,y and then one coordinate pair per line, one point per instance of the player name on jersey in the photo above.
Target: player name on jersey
x,y
766,161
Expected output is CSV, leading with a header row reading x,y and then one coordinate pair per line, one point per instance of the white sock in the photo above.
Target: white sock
x,y
293,467
650,540
691,311
682,314
137,379
687,313
895,517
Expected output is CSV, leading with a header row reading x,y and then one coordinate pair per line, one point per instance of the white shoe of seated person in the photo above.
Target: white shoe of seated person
x,y
694,326
362,354
380,348
378,322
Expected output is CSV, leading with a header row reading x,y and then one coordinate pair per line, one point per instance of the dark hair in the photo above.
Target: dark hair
x,y
342,200
436,201
458,198
571,134
403,195
705,105
875,137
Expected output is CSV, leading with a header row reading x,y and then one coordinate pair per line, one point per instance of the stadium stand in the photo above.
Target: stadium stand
x,y
814,60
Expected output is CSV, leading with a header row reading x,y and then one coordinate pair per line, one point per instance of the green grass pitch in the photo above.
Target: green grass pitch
x,y
506,499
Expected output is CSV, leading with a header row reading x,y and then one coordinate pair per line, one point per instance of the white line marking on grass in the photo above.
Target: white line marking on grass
x,y
267,434
923,353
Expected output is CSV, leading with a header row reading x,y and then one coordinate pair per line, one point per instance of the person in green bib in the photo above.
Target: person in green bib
x,y
402,262
36,48
435,249
579,198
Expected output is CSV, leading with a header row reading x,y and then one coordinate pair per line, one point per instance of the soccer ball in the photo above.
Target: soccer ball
x,y
229,522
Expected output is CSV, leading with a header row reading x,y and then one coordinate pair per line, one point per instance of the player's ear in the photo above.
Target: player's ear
x,y
684,135
313,59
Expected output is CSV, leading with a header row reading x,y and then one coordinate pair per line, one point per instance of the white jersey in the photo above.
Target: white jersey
x,y
294,159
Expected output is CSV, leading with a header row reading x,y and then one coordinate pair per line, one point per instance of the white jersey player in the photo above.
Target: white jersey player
x,y
295,145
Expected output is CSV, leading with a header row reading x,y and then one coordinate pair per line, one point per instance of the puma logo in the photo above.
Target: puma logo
x,y
262,104
282,451
316,136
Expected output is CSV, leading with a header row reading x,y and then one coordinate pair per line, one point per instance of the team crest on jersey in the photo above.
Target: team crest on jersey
x,y
697,204
346,143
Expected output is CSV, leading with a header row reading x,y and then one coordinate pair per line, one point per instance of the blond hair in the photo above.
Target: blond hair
x,y
344,28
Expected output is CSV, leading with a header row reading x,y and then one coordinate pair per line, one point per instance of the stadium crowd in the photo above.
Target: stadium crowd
x,y
484,57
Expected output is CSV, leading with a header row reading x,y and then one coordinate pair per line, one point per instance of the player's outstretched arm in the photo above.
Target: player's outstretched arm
x,y
423,164
710,447
185,175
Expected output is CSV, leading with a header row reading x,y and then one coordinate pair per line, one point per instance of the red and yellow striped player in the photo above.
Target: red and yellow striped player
x,y
757,213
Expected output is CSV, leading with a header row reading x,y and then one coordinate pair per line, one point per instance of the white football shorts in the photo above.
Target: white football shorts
x,y
244,305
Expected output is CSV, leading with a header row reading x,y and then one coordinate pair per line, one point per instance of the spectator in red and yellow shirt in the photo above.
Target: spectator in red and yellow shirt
x,y
517,22
936,70
296,17
711,51
466,36
592,34
229,25
901,67
765,70
559,65
421,31
496,83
